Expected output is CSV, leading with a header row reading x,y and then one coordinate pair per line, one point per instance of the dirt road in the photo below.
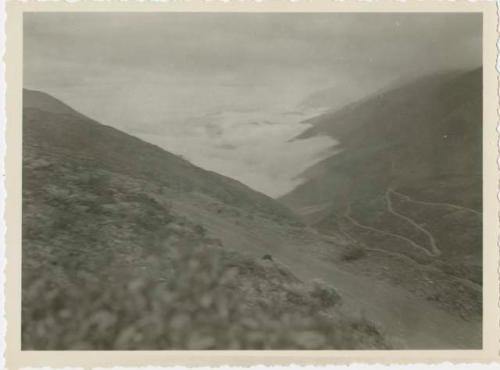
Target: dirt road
x,y
407,320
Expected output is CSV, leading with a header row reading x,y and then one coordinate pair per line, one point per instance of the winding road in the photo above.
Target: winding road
x,y
449,205
435,250
408,321
348,216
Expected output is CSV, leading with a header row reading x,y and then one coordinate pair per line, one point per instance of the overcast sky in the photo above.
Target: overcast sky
x,y
226,90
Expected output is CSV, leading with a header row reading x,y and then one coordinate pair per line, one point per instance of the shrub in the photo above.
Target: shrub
x,y
58,196
326,294
267,257
94,181
200,230
194,298
353,253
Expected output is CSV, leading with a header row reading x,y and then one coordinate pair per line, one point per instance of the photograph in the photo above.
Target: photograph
x,y
251,181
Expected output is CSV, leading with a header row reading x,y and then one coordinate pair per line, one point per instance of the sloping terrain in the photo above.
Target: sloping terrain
x,y
405,188
53,128
126,246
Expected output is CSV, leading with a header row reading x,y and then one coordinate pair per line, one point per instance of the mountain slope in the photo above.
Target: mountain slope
x,y
55,125
406,185
414,132
127,246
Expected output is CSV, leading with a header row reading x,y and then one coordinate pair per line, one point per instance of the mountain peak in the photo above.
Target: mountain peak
x,y
36,99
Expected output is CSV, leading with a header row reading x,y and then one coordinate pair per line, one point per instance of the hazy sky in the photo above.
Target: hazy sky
x,y
225,90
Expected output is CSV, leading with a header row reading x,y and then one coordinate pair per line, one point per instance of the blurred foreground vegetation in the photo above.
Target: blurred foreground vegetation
x,y
200,297
107,264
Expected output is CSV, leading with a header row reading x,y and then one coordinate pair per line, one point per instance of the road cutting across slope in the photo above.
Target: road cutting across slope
x,y
407,241
435,250
407,320
438,204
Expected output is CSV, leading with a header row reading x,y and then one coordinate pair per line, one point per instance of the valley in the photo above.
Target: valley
x,y
128,246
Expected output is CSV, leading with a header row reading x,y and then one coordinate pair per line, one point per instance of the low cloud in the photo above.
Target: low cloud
x,y
227,91
252,147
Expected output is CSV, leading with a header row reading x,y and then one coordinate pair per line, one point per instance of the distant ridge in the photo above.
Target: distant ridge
x,y
407,157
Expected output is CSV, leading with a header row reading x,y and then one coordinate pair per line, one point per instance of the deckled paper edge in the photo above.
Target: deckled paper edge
x,y
3,194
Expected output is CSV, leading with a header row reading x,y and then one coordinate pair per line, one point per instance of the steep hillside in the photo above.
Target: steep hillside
x,y
406,187
425,130
51,125
126,246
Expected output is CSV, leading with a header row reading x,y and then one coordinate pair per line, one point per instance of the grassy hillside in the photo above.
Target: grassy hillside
x,y
55,129
126,246
406,184
421,131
